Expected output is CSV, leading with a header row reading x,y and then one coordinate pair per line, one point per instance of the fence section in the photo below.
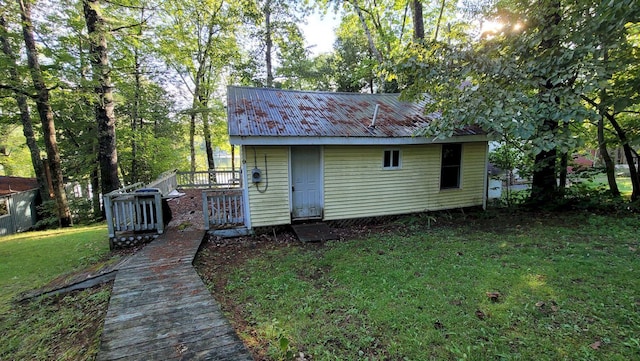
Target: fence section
x,y
209,179
223,208
134,209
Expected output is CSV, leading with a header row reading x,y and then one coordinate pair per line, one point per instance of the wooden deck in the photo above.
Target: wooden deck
x,y
161,310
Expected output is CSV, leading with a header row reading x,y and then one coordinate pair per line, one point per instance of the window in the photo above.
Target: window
x,y
391,159
4,206
450,171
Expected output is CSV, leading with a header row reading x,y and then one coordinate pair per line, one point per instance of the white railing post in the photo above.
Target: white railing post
x,y
205,210
109,215
160,217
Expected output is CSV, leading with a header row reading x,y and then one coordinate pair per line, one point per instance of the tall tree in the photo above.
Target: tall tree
x,y
273,27
614,92
46,115
418,20
526,80
544,185
105,118
23,107
198,40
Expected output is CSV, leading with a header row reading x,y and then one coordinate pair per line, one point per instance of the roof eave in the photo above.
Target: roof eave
x,y
279,140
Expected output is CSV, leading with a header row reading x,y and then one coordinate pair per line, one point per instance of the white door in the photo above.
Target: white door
x,y
306,182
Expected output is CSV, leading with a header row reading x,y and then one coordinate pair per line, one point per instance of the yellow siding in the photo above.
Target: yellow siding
x,y
472,184
271,207
355,185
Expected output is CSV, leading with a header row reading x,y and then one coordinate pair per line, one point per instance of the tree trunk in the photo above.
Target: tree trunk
x,y
610,168
135,114
95,192
46,116
25,116
628,153
268,40
105,118
562,182
435,33
206,129
367,31
192,142
543,186
418,21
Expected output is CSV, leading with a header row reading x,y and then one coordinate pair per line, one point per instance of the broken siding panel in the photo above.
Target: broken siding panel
x,y
271,207
472,183
356,185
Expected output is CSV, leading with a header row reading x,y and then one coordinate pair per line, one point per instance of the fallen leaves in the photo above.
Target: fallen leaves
x,y
494,296
547,306
596,345
481,315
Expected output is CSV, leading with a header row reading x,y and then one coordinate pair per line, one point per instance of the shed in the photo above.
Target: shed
x,y
334,156
18,200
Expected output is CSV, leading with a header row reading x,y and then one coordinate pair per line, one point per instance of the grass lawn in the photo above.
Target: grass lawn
x,y
624,183
494,286
56,328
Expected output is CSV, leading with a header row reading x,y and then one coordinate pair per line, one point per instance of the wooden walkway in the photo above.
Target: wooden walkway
x,y
161,310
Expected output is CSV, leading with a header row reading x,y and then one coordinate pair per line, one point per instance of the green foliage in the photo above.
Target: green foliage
x,y
82,211
154,133
510,158
15,159
48,215
529,80
563,281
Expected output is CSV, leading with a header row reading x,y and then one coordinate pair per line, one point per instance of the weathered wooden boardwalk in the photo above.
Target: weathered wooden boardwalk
x,y
161,310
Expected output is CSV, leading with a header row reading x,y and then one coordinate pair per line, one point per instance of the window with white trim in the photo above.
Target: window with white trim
x,y
391,159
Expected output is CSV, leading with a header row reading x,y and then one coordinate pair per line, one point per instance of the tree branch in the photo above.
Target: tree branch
x,y
113,30
628,112
18,90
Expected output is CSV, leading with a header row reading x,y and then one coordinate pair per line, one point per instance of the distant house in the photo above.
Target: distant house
x,y
333,156
18,200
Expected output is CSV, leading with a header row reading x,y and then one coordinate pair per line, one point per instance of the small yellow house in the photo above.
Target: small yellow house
x,y
332,156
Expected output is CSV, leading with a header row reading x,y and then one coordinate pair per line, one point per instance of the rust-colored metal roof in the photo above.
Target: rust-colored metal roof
x,y
10,185
267,112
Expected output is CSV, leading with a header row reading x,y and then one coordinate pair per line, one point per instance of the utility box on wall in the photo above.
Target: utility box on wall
x,y
256,175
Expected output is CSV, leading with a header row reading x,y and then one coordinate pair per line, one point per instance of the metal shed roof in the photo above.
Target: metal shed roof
x,y
10,185
324,117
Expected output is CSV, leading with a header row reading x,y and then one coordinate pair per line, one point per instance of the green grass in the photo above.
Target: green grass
x,y
569,289
624,183
31,260
58,328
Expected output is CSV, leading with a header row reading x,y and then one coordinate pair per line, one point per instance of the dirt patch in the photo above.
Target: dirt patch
x,y
187,210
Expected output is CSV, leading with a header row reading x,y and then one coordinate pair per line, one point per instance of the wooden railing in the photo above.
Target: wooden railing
x,y
133,209
223,208
209,179
166,182
139,207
